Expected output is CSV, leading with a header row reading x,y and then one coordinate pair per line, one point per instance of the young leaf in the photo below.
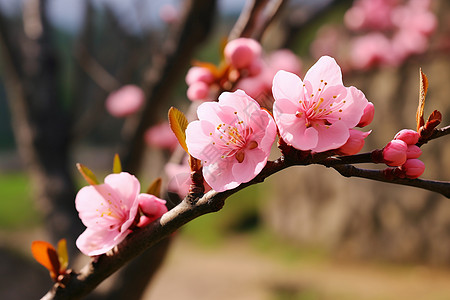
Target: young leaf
x,y
155,188
87,174
117,165
178,123
46,255
63,257
422,94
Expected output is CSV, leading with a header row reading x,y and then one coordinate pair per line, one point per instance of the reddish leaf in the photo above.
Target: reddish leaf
x,y
46,255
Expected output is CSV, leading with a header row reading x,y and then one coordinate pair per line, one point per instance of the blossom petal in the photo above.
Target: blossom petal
x,y
254,161
331,137
199,140
92,242
288,86
324,70
219,176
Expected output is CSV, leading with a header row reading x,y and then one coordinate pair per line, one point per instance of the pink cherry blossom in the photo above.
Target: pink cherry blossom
x,y
409,136
317,113
354,143
125,101
161,136
108,211
394,154
413,168
232,138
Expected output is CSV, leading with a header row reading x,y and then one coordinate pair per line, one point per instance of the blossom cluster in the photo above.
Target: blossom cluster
x,y
387,32
111,210
403,152
245,67
233,137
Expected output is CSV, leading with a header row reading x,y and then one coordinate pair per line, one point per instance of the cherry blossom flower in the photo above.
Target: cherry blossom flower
x,y
125,101
108,211
316,114
161,136
232,138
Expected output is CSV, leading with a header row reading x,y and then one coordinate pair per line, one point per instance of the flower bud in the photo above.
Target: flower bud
x,y
151,206
198,91
413,152
413,168
241,52
367,117
394,154
196,74
354,143
409,136
125,101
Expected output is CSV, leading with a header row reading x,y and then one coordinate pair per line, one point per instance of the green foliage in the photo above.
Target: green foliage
x,y
16,205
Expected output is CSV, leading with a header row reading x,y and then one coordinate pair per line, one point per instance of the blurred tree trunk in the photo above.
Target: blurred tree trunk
x,y
41,125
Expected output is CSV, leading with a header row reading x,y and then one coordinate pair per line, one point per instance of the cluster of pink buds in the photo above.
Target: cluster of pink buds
x,y
244,67
402,152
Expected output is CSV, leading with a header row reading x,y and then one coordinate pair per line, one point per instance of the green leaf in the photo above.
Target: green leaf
x,y
63,256
87,174
178,123
117,165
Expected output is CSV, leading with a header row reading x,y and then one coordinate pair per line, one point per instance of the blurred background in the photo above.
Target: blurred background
x,y
306,233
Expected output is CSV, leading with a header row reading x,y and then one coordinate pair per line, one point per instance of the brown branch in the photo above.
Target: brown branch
x,y
441,187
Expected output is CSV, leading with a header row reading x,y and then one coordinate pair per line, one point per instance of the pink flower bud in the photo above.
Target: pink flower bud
x,y
394,154
125,101
354,143
199,74
409,136
413,168
413,151
367,116
241,52
152,207
198,91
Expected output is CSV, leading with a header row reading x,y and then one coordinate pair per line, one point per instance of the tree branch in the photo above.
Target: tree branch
x,y
441,187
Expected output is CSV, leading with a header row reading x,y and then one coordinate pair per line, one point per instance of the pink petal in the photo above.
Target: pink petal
x,y
254,161
331,137
126,186
91,204
219,176
325,69
287,86
199,141
353,109
92,242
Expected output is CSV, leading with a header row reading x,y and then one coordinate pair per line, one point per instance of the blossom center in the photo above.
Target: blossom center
x,y
317,108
